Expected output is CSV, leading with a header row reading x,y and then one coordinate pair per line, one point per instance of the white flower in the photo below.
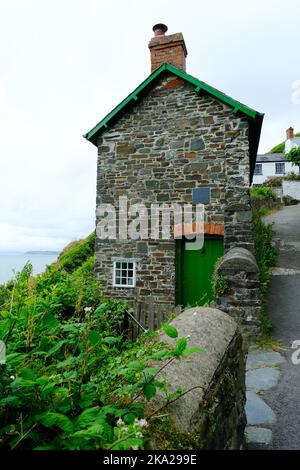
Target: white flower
x,y
143,423
87,309
120,422
12,377
139,434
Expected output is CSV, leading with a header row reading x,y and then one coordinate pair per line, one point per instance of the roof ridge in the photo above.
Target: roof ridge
x,y
199,86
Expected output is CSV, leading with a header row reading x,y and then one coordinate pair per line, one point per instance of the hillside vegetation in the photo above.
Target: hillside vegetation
x,y
279,148
71,379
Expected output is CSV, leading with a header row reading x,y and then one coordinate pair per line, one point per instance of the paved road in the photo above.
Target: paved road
x,y
284,310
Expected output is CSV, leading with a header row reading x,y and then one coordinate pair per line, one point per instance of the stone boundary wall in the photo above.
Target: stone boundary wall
x,y
265,203
291,188
212,414
278,191
241,299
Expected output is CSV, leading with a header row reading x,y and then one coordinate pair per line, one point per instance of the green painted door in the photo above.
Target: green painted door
x,y
195,271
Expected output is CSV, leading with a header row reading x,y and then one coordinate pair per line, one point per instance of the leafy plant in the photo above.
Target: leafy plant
x,y
294,156
71,380
221,285
266,258
261,192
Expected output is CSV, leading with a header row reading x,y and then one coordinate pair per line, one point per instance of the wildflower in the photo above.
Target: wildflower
x,y
120,422
12,377
143,423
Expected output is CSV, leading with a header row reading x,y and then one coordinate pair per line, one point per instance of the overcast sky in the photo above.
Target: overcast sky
x,y
64,64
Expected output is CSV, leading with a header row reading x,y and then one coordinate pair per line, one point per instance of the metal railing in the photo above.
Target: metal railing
x,y
135,320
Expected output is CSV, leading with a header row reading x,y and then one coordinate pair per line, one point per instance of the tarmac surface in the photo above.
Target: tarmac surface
x,y
273,379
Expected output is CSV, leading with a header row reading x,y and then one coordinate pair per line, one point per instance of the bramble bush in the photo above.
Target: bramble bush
x,y
71,380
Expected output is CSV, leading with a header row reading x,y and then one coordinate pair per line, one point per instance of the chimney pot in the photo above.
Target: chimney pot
x,y
290,133
160,29
168,49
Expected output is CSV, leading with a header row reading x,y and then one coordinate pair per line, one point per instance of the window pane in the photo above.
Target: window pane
x,y
124,273
279,168
258,169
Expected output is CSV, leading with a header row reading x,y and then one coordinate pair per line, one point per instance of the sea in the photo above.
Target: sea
x,y
14,262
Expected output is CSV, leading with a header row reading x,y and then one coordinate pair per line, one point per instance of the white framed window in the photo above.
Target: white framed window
x,y
124,273
258,169
279,168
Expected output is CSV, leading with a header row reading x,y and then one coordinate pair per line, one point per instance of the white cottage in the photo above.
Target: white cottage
x,y
272,165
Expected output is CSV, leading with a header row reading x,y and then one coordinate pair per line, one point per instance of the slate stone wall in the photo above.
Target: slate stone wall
x,y
241,300
170,142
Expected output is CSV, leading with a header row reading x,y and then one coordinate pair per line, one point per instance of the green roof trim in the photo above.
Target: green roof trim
x,y
199,87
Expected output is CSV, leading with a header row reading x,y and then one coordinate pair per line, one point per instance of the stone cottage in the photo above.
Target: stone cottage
x,y
174,139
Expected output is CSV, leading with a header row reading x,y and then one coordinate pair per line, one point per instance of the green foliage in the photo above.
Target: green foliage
x,y
261,192
220,284
278,148
294,156
77,252
266,258
265,252
170,331
164,436
266,325
71,380
110,316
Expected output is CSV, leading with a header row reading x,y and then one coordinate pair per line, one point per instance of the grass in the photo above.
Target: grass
x,y
267,343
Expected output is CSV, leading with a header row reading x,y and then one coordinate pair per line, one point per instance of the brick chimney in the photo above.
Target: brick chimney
x,y
169,49
290,133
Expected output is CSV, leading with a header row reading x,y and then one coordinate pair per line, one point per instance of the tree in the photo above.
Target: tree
x,y
294,156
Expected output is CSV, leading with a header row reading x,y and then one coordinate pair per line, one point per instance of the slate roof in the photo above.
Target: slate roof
x,y
271,157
